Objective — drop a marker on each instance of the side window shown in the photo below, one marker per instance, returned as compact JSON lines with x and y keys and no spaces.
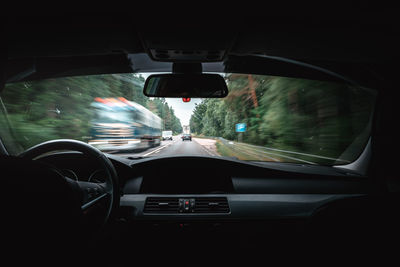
{"x":7,"y":137}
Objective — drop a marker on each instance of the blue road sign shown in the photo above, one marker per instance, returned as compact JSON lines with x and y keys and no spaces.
{"x":240,"y":127}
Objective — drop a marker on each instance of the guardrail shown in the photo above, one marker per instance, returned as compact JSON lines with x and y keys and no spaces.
{"x":273,"y":153}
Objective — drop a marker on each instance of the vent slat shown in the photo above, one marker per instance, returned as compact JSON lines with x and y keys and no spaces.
{"x":171,"y":205}
{"x":161,"y":205}
{"x":211,"y":205}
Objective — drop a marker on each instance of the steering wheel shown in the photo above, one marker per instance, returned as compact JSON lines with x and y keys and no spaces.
{"x":94,"y":198}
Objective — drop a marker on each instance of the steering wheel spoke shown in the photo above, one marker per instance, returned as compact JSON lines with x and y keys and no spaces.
{"x":93,"y":194}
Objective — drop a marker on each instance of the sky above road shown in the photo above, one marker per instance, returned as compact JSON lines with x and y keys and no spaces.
{"x":183,"y":110}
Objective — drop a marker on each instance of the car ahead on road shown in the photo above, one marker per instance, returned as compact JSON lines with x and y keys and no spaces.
{"x":313,"y":175}
{"x":166,"y":135}
{"x":186,"y":137}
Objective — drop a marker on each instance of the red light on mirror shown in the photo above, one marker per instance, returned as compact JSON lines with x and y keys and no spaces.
{"x":186,"y":99}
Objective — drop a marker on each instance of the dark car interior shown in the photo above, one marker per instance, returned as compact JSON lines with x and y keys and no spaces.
{"x":203,"y":210}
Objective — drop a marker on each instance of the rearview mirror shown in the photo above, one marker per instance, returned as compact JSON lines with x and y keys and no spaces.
{"x":186,"y":85}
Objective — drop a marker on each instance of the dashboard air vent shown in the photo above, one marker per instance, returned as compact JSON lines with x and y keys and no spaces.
{"x":161,"y":205}
{"x":211,"y":205}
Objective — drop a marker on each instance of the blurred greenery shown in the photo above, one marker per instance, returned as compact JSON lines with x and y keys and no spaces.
{"x":315,"y":117}
{"x":38,"y":111}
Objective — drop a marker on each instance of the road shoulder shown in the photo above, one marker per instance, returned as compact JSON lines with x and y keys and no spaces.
{"x":209,"y":145}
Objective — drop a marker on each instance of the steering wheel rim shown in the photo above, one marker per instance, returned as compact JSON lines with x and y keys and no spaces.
{"x":109,"y":188}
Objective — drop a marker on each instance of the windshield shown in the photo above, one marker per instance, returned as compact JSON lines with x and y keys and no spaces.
{"x":263,"y":118}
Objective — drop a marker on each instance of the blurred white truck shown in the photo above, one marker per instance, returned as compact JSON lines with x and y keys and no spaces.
{"x":166,"y":135}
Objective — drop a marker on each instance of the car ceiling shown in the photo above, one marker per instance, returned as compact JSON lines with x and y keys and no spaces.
{"x":90,"y":43}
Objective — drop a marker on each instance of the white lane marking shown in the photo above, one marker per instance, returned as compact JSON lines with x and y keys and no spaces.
{"x":204,"y":148}
{"x":290,"y":152}
{"x":154,"y":151}
{"x":158,"y":149}
{"x":208,"y":152}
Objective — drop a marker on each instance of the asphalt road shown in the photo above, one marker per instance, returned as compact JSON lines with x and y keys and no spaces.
{"x":176,"y":147}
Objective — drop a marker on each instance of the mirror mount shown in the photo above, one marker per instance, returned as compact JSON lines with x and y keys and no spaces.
{"x":187,"y":68}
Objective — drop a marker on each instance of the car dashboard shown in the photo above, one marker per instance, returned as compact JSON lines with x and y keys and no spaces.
{"x":206,"y":188}
{"x":222,"y":205}
{"x":198,"y":188}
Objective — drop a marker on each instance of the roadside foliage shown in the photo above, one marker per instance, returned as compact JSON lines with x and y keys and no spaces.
{"x":326,"y":119}
{"x":287,"y":119}
{"x":60,"y":108}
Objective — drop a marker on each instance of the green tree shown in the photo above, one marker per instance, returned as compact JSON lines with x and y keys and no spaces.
{"x":170,"y":122}
{"x":314,"y":117}
{"x":61,"y":108}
